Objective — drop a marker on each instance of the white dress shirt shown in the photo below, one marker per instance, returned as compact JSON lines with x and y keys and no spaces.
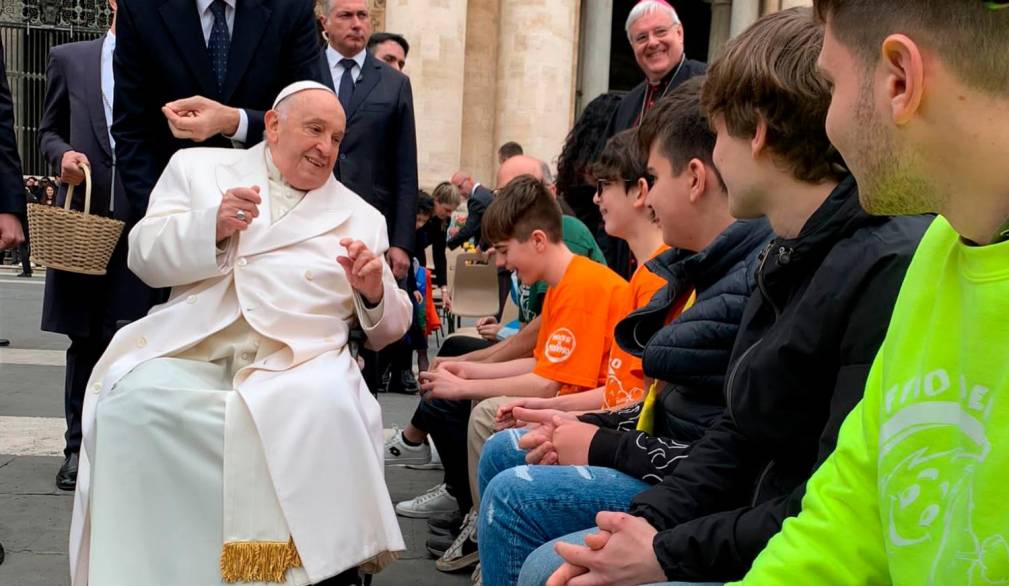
{"x":108,"y":83}
{"x":207,"y":20}
{"x":334,"y":59}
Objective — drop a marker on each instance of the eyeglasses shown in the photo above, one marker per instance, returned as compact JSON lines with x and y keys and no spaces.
{"x":660,"y":33}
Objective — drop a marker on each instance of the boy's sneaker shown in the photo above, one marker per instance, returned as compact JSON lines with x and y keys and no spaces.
{"x":435,"y":501}
{"x":399,"y":453}
{"x":447,"y":524}
{"x":462,"y":554}
{"x":476,"y":578}
{"x":434,"y":464}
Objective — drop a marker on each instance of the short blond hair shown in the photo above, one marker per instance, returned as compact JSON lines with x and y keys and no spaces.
{"x":446,"y":193}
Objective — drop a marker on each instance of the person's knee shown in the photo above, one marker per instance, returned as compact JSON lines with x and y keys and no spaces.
{"x":540,"y":565}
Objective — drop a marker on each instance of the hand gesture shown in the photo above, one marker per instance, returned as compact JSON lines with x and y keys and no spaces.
{"x":488,"y":328}
{"x":620,"y":554}
{"x":70,"y":167}
{"x":399,"y":261}
{"x":505,"y":417}
{"x":363,"y":268}
{"x":442,"y":384}
{"x":198,"y":118}
{"x":239,"y":206}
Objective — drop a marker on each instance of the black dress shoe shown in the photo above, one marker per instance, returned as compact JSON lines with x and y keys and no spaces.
{"x":24,"y":275}
{"x":1,"y":553}
{"x":66,"y":479}
{"x":445,"y":523}
{"x":405,"y":383}
{"x":4,"y":342}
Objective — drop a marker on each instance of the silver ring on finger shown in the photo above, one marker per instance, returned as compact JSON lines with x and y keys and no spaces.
{"x":241,"y":216}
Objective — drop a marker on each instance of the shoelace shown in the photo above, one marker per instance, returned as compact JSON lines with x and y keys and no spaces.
{"x":431,"y":494}
{"x":468,"y":532}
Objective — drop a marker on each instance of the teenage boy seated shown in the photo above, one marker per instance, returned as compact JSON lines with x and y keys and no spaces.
{"x":915,"y":492}
{"x":714,"y":259}
{"x":826,"y":286}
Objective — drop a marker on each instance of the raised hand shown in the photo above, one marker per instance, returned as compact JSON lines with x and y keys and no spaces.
{"x":239,"y":206}
{"x":363,"y":269}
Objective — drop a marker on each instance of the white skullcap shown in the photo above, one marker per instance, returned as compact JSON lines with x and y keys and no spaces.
{"x":300,"y":86}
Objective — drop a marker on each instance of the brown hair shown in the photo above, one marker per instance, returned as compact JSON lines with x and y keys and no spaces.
{"x":520,"y":208}
{"x":970,"y":35}
{"x":769,"y":73}
{"x":620,"y":160}
{"x":680,"y":127}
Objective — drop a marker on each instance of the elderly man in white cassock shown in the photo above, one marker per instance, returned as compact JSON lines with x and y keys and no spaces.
{"x":229,"y":436}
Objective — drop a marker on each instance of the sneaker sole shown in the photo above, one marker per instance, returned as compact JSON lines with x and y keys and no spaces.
{"x":458,"y":564}
{"x":434,"y":551}
{"x":427,"y":466}
{"x":441,"y":531}
{"x":408,"y":463}
{"x":419,"y":514}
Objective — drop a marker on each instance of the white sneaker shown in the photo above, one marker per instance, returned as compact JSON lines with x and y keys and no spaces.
{"x":433,"y":502}
{"x":476,"y":578}
{"x":434,"y":464}
{"x":398,"y":453}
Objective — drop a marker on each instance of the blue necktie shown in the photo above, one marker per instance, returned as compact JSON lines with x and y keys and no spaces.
{"x":219,"y":43}
{"x":347,"y":84}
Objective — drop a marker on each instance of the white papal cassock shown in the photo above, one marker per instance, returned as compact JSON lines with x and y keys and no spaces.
{"x":230,"y":431}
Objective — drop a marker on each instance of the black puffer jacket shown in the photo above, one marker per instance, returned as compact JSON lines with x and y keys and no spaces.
{"x":807,"y":340}
{"x":689,"y":356}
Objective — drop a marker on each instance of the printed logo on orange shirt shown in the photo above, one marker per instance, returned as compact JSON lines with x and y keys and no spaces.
{"x":560,"y":345}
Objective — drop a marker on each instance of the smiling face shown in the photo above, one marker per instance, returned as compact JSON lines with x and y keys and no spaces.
{"x":741,"y":174}
{"x":657,"y":42}
{"x":304,"y":135}
{"x":347,"y":26}
{"x":522,"y":257}
{"x":669,"y":199}
{"x":392,"y":54}
{"x":618,"y":205}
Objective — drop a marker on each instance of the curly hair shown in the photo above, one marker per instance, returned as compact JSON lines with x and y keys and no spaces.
{"x":584,"y":142}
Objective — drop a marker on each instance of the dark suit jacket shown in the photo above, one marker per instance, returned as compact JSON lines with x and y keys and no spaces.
{"x":378,"y":155}
{"x":618,"y":254}
{"x":12,"y":187}
{"x":475,"y":208}
{"x":73,"y":118}
{"x":161,"y":56}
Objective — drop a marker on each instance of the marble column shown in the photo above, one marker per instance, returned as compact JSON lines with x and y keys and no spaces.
{"x":537,"y":49}
{"x":721,"y":26}
{"x":744,"y":13}
{"x":436,"y":30}
{"x":479,"y":116}
{"x":594,"y":50}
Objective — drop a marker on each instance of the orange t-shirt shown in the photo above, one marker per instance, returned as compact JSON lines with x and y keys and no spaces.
{"x":625,"y":377}
{"x":576,"y":325}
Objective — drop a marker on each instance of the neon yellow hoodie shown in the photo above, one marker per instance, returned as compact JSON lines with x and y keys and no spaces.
{"x":917,"y":490}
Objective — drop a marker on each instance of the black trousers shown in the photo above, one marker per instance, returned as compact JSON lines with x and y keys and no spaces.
{"x":446,"y":422}
{"x":349,"y":578}
{"x":82,"y":355}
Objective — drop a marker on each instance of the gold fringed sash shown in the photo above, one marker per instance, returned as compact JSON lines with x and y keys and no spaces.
{"x":258,"y":561}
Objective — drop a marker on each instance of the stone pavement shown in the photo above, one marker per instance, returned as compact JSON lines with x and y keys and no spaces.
{"x":35,"y":516}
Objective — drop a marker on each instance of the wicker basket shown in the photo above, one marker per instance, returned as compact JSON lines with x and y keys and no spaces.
{"x":68,"y":240}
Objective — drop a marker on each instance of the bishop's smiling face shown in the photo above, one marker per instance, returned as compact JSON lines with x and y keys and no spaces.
{"x":304,"y":134}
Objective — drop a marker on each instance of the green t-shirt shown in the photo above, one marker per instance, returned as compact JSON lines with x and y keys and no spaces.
{"x":916,"y":491}
{"x":580,"y":241}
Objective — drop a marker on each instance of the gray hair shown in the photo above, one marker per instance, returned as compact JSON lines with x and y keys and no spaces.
{"x":644,"y":8}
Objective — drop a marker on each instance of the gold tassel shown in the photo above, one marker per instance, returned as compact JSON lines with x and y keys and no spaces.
{"x":258,"y":561}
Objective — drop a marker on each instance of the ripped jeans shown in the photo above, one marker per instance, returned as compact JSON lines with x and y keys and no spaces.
{"x":524,"y":507}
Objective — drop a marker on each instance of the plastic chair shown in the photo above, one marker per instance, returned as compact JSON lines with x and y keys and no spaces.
{"x":474,"y":287}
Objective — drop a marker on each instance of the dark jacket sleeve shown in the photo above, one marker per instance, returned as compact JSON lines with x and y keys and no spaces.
{"x":405,"y":209}
{"x":12,"y":187}
{"x":54,"y":128}
{"x":132,"y":125}
{"x":475,"y":209}
{"x":437,"y":235}
{"x":636,"y":453}
{"x":304,"y":62}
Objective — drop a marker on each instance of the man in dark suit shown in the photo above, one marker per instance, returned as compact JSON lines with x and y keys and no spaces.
{"x":378,"y":155}
{"x":12,"y":189}
{"x":74,"y":131}
{"x":210,"y":67}
{"x":478,"y":198}
{"x":656,"y":36}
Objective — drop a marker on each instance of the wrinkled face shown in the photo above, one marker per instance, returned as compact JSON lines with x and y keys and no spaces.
{"x":733,"y":156}
{"x":657,"y":43}
{"x":443,"y":211}
{"x":616,"y":204}
{"x":889,"y":174}
{"x":348,"y":26}
{"x":304,"y":137}
{"x":521,"y":257}
{"x":669,"y":199}
{"x":392,"y":54}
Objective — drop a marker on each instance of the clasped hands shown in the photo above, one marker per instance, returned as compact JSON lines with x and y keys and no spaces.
{"x":240,"y":206}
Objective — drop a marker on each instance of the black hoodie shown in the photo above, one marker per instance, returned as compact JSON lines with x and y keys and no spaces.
{"x":807,"y":339}
{"x":689,"y":356}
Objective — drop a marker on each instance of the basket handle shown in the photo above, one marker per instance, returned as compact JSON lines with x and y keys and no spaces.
{"x":87,"y":191}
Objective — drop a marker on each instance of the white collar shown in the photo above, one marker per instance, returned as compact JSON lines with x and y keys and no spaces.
{"x":109,"y":42}
{"x":204,"y":5}
{"x":335,"y":57}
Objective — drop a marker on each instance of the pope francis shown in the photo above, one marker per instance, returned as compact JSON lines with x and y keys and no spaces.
{"x":228,"y":435}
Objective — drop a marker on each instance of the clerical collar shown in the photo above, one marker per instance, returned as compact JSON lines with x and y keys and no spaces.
{"x":274,"y":174}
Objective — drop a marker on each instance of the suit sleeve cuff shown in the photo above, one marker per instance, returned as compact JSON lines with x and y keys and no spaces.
{"x":243,"y":128}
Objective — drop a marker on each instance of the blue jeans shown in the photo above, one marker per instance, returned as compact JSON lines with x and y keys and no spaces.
{"x":524,"y":507}
{"x":500,"y":452}
{"x":544,"y":561}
